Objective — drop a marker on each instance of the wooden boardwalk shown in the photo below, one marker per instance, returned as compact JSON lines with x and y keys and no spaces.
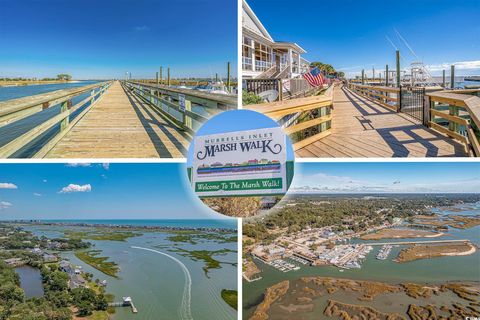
{"x":121,"y":125}
{"x":362,"y":128}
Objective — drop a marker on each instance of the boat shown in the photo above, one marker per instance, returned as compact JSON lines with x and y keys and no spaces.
{"x":214,"y":87}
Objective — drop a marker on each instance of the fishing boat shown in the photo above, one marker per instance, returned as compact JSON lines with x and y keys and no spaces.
{"x":214,"y":87}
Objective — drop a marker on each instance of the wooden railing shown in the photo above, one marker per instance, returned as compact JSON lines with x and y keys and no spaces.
{"x":15,"y":110}
{"x":305,"y":120}
{"x":388,"y":97}
{"x":205,"y":99}
{"x":258,"y":86}
{"x":176,"y":107}
{"x":456,"y":114}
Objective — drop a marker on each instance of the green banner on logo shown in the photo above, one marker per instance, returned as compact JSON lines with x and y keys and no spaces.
{"x":236,"y":185}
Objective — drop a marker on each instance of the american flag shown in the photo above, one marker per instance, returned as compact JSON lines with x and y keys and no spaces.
{"x":314,"y":77}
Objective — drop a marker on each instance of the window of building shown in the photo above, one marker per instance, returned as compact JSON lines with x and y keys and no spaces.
{"x":247,"y":50}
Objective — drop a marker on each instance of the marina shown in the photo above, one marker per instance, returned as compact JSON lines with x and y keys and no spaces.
{"x":384,"y":252}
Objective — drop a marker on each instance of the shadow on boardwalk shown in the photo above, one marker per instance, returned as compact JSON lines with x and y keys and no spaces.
{"x":362,"y":128}
{"x":121,"y":125}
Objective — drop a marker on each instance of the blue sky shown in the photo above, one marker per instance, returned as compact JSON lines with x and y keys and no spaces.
{"x":106,"y":38}
{"x":236,"y":120}
{"x":393,"y":177}
{"x":351,"y":34}
{"x":97,"y":191}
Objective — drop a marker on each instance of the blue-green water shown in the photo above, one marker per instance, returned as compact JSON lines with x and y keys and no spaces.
{"x":171,"y":223}
{"x":15,"y":129}
{"x":30,"y":281}
{"x":155,"y":282}
{"x":435,"y":270}
{"x":8,"y":93}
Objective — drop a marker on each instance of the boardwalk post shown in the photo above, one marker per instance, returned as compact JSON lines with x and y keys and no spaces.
{"x":92,"y":95}
{"x":187,"y":121}
{"x":426,"y":110}
{"x":157,"y":78}
{"x":386,"y":75}
{"x":64,"y":108}
{"x":280,"y":89}
{"x":443,"y":78}
{"x":452,"y":76}
{"x":397,"y":56}
{"x":216,"y":77}
{"x":373,"y":74}
{"x":168,"y":76}
{"x":161,"y":70}
{"x":363,"y":76}
{"x":452,"y":110}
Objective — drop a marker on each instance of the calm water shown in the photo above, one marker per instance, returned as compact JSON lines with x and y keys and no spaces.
{"x":190,"y":223}
{"x":7,"y":93}
{"x":156,"y":282}
{"x":436,"y":270}
{"x":30,"y":281}
{"x":15,"y":129}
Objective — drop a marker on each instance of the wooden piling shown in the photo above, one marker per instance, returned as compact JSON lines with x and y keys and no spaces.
{"x":161,"y":71}
{"x":386,"y":75}
{"x":452,"y":76}
{"x":168,"y":76}
{"x":443,"y":78}
{"x":397,"y":56}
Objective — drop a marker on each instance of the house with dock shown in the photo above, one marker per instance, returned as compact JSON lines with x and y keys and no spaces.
{"x":265,"y":58}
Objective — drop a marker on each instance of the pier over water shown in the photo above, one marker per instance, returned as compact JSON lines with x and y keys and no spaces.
{"x":111,"y":119}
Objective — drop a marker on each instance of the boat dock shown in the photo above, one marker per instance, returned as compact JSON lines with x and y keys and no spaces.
{"x":127,"y":302}
{"x":113,"y":119}
{"x":384,"y":252}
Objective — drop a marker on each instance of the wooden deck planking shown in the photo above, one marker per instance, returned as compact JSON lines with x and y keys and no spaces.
{"x":362,"y":128}
{"x":122,"y":126}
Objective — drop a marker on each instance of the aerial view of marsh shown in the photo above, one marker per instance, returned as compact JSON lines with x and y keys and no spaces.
{"x":392,"y":252}
{"x":179,"y":261}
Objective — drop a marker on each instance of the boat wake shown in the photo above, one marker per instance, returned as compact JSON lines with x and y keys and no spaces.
{"x":185,"y":310}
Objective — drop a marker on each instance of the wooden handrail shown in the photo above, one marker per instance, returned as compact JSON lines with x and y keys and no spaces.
{"x":156,"y":101}
{"x":206,"y":99}
{"x":457,"y":102}
{"x":16,"y":109}
{"x":379,"y":94}
{"x":301,"y":114}
{"x":63,"y":117}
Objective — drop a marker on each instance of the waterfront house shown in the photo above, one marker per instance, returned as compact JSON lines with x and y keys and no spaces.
{"x":47,"y":257}
{"x":77,"y":281}
{"x":264,"y":57}
{"x":66,"y":267}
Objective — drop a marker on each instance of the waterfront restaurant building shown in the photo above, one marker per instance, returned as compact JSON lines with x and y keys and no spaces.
{"x":263,"y":57}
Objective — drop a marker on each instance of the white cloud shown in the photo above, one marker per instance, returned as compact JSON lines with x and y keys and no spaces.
{"x":36,"y":194}
{"x":459,"y":65}
{"x":76,"y":188}
{"x":106,"y":166}
{"x":5,"y":205}
{"x":325,"y":183}
{"x":78,"y":164}
{"x":7,"y":185}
